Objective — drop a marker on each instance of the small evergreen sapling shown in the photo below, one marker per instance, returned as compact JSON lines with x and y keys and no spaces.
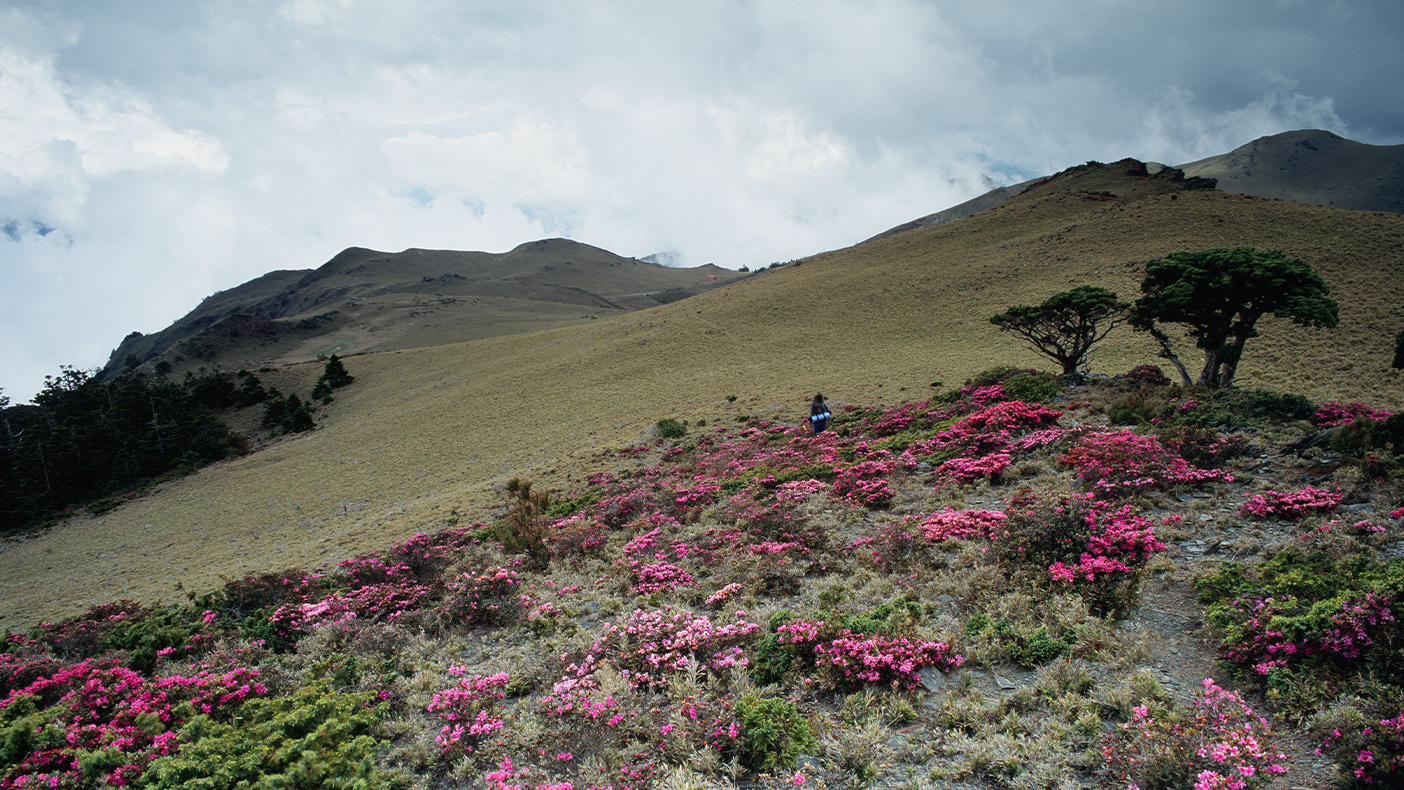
{"x":334,"y":376}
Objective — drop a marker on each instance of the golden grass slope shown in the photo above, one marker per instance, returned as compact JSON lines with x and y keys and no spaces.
{"x":425,"y":433}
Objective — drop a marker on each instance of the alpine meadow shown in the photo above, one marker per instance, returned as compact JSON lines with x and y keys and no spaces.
{"x":609,"y":551}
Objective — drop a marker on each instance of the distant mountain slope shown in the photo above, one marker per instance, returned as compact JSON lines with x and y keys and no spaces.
{"x":962,"y":210}
{"x":1311,"y":166}
{"x":367,"y":300}
{"x":1306,"y":166}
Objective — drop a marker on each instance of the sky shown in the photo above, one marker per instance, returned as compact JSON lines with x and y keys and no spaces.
{"x":154,"y":152}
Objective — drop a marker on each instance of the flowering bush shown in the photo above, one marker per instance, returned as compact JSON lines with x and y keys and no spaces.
{"x":660,"y":577}
{"x":865,"y":483}
{"x":894,"y":661}
{"x":1333,"y":414}
{"x":469,"y":709}
{"x":1147,"y":374}
{"x":1123,"y":462}
{"x":1368,"y":751}
{"x":1293,"y":504}
{"x":1264,"y":634}
{"x":850,"y":659}
{"x":646,"y":646}
{"x":966,"y":524}
{"x":1096,"y":547}
{"x":1220,"y":743}
{"x":488,"y":597}
{"x":93,"y":722}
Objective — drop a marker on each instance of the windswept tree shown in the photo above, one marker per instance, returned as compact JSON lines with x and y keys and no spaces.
{"x":1220,"y":294}
{"x":1066,"y":325}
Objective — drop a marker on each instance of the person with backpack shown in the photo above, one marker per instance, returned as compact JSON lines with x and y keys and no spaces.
{"x":819,"y":413}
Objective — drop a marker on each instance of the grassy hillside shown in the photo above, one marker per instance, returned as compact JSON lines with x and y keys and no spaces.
{"x":426,"y":433}
{"x":1311,"y":166}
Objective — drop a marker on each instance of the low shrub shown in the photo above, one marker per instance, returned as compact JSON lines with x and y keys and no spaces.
{"x":469,"y":710}
{"x":1218,"y":744}
{"x":670,"y":428}
{"x":992,"y":376}
{"x":311,"y":738}
{"x":1368,"y":750}
{"x":1031,"y":386}
{"x":773,"y":733}
{"x":1147,"y":374}
{"x":1096,"y":548}
{"x":1137,"y":408}
{"x":1292,"y":504}
{"x":1123,"y":462}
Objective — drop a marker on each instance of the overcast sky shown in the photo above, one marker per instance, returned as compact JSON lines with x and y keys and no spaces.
{"x":155,"y":151}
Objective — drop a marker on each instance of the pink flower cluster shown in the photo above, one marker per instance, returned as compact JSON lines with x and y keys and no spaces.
{"x":963,"y":470}
{"x":1123,"y":462}
{"x":470,"y":709}
{"x":964,"y":524}
{"x":1332,"y":414}
{"x":102,"y":707}
{"x":1293,"y":504}
{"x":1239,"y":753}
{"x":865,"y":483}
{"x":647,"y":645}
{"x":1373,"y":754}
{"x":1269,"y":633}
{"x":660,"y":577}
{"x":799,"y":490}
{"x":865,"y":658}
{"x":1230,"y":744}
{"x":895,"y":661}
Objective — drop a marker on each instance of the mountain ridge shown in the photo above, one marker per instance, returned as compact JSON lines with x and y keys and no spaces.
{"x":558,"y":277}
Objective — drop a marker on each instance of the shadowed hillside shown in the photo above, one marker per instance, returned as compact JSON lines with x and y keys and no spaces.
{"x":425,"y":433}
{"x":364,"y":300}
{"x":1311,"y":166}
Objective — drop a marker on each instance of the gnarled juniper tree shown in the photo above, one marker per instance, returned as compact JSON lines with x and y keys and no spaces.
{"x":1066,"y":325}
{"x":1220,"y":294}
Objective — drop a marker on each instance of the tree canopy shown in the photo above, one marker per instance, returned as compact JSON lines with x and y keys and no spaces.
{"x":1220,"y":294}
{"x":1066,"y":325}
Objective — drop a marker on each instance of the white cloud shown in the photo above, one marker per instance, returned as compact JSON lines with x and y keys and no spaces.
{"x":56,"y":138}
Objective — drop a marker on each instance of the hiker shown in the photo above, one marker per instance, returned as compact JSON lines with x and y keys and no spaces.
{"x":819,"y":413}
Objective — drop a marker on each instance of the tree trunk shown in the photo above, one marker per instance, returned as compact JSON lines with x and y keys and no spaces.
{"x":1232,"y":354}
{"x":1210,"y":374}
{"x":1168,"y":353}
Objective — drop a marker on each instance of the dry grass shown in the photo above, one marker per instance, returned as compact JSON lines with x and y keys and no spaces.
{"x":424,"y":434}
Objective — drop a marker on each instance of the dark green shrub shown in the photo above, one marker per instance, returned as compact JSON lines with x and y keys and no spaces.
{"x":992,"y":376}
{"x":1355,"y":438}
{"x":1135,"y":409}
{"x":1038,"y":648}
{"x":773,"y":733}
{"x":772,"y":661}
{"x":165,"y":627}
{"x":333,"y":376}
{"x":894,"y":617}
{"x":287,"y":415}
{"x":1031,"y":386}
{"x":670,"y":428}
{"x":1147,"y":374}
{"x":312,"y":738}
